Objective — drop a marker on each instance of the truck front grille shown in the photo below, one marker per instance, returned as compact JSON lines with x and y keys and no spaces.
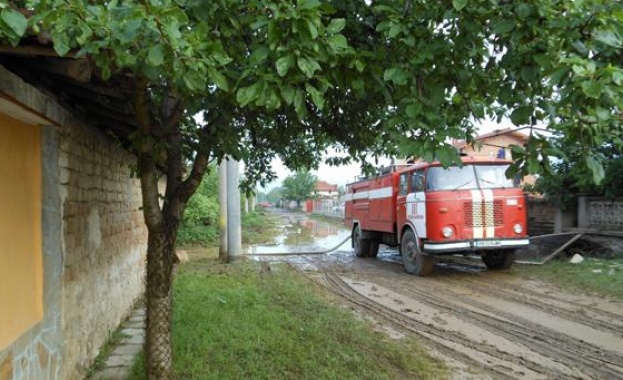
{"x":483,"y":214}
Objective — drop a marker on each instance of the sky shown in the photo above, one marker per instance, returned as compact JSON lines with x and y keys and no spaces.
{"x":341,"y":175}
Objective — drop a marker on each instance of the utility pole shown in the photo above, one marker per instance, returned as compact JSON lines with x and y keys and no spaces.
{"x":222,"y":218}
{"x":234,"y":231}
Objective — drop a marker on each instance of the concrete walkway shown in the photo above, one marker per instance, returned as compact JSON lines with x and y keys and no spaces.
{"x":118,"y":364}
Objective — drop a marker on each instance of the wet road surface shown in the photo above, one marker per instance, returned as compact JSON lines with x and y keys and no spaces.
{"x":486,"y":324}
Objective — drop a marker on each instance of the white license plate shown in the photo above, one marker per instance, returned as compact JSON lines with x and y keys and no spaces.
{"x":486,"y":243}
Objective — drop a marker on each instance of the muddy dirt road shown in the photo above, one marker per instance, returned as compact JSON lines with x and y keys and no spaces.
{"x":485,"y":324}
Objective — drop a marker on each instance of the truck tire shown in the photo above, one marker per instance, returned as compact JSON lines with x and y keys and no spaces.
{"x":414,"y":260}
{"x":361,"y":245}
{"x":374,"y":248}
{"x":499,"y":259}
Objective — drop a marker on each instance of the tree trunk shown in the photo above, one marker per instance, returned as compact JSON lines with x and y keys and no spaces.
{"x":160,"y":250}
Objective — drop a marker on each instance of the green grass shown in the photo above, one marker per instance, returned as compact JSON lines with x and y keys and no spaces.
{"x":600,"y":276}
{"x":257,"y":228}
{"x":114,"y":338}
{"x":238,"y":321}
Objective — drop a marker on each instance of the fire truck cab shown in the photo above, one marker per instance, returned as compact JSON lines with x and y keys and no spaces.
{"x":427,"y":211}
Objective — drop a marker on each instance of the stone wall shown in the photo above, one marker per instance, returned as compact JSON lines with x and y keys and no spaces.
{"x":104,"y":239}
{"x":601,"y":213}
{"x":94,"y":242}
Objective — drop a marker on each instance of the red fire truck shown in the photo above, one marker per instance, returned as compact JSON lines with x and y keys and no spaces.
{"x":427,"y":210}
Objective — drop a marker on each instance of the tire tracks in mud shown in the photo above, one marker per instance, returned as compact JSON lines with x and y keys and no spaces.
{"x":574,"y":353}
{"x":427,"y":333}
{"x":589,"y":315}
{"x":538,"y":351}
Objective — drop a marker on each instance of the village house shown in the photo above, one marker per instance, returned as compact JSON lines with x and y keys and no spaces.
{"x":496,"y":144}
{"x":72,"y":235}
{"x":324,"y":198}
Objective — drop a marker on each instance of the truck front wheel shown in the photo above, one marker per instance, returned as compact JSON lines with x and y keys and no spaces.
{"x":361,"y":245}
{"x":414,"y":260}
{"x":499,"y":259}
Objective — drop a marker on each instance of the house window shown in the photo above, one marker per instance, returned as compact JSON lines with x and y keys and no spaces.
{"x":21,"y":273}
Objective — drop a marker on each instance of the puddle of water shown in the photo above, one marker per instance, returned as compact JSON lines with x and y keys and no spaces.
{"x":301,"y":235}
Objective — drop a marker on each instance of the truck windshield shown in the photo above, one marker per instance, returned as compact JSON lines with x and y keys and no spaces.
{"x":468,"y":177}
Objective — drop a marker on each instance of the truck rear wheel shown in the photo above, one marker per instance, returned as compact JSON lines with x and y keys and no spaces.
{"x":361,"y":245}
{"x":414,"y":260}
{"x":374,"y":248}
{"x":499,"y":259}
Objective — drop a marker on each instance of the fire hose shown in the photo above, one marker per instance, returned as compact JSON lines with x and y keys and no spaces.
{"x":299,"y":253}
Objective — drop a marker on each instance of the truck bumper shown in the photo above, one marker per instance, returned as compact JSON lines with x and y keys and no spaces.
{"x":474,"y":245}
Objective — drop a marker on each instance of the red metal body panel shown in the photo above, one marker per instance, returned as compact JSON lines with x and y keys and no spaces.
{"x":373,"y":203}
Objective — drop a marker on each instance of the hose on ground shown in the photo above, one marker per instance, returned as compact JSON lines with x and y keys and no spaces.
{"x":299,"y":253}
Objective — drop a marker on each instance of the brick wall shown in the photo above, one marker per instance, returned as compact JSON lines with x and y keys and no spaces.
{"x":104,"y":240}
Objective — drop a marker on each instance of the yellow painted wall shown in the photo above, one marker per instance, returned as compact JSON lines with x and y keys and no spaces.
{"x":21,"y":272}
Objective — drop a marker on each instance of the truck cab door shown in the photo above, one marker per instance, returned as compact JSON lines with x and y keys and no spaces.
{"x":401,"y":201}
{"x":416,"y":204}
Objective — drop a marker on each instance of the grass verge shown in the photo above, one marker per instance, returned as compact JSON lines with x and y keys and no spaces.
{"x":242,"y":321}
{"x":593,"y":275}
{"x":259,"y":227}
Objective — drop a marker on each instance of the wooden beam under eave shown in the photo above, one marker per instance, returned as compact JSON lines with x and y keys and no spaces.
{"x":98,"y":112}
{"x":31,"y":51}
{"x":80,"y":70}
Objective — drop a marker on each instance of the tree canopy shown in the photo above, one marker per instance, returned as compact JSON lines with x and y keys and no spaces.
{"x":380,"y":77}
{"x":299,"y":187}
{"x":291,"y":78}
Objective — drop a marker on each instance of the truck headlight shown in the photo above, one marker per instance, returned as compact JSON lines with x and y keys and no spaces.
{"x":518,"y":228}
{"x":447,"y":232}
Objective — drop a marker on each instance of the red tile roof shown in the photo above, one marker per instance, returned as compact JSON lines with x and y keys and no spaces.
{"x":324,"y":186}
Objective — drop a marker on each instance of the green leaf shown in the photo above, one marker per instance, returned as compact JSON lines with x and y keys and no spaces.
{"x":543,"y":60}
{"x":413,"y":110}
{"x":504,"y":27}
{"x":259,"y":55}
{"x":272,"y":99}
{"x":529,"y":73}
{"x":155,"y":56}
{"x":459,"y":4}
{"x":283,"y":64}
{"x":299,"y":103}
{"x":608,"y":37}
{"x":596,"y":168}
{"x":338,"y":42}
{"x":61,"y":48}
{"x":592,"y":89}
{"x":307,"y":4}
{"x":313,"y":30}
{"x":395,"y":30}
{"x":559,"y":74}
{"x":580,"y":47}
{"x":308,"y":66}
{"x":523,"y":10}
{"x":516,"y":149}
{"x":248,"y":94}
{"x":396,"y":75}
{"x":359,"y":65}
{"x":447,"y":155}
{"x":316,"y":95}
{"x":336,"y":25}
{"x":521,"y":115}
{"x":288,"y":93}
{"x":219,"y":79}
{"x":15,"y":20}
